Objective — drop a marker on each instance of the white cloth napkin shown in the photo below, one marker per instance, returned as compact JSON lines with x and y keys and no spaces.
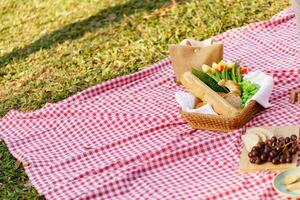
{"x":265,"y":83}
{"x":187,"y":101}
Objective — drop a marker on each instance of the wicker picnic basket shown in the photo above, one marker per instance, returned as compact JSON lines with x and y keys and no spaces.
{"x":222,"y":123}
{"x":186,"y":56}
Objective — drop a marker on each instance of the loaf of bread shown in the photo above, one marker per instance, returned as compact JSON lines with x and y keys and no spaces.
{"x":206,"y":94}
{"x":250,"y":140}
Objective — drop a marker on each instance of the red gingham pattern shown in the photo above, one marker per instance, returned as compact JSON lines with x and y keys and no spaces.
{"x":124,"y":139}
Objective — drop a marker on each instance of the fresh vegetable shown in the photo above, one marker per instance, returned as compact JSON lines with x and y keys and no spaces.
{"x":239,"y":77}
{"x":209,"y":81}
{"x":223,"y":74}
{"x":236,"y":75}
{"x":248,"y":90}
{"x":206,"y":68}
{"x":233,"y":69}
{"x":226,"y":71}
{"x":221,"y":66}
{"x":227,"y":77}
{"x":244,"y":70}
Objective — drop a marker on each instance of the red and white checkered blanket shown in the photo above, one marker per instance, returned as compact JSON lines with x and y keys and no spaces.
{"x":125,"y":139}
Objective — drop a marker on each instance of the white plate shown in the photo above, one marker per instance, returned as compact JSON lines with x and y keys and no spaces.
{"x":280,"y":188}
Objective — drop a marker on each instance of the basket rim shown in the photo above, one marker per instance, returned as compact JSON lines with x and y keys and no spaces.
{"x":250,"y":106}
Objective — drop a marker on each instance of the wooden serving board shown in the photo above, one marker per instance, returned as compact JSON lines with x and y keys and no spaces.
{"x":285,"y":131}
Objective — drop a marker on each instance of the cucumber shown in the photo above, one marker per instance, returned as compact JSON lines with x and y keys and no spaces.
{"x":214,"y":77}
{"x":209,"y":81}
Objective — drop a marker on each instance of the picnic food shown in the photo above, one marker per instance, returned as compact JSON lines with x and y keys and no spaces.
{"x":227,"y":77}
{"x":233,"y":87}
{"x":248,"y":90}
{"x":276,"y":149}
{"x":234,"y":100}
{"x":206,"y":94}
{"x":279,"y":131}
{"x":250,"y":140}
{"x":200,"y":104}
{"x":289,"y":180}
{"x":293,"y":187}
{"x":220,"y":85}
{"x":262,"y":133}
{"x":208,"y":81}
{"x":262,"y":136}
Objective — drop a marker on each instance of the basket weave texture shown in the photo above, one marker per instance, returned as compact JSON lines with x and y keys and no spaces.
{"x":221,"y":122}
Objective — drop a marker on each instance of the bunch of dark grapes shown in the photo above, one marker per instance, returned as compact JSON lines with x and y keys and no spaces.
{"x":275,"y":150}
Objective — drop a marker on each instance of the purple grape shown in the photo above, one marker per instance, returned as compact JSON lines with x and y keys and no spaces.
{"x":255,"y":148}
{"x":273,"y":154}
{"x":250,"y":155}
{"x":261,"y":145}
{"x":258,"y":161}
{"x":289,"y":160}
{"x":293,"y":150}
{"x":269,"y":143}
{"x":275,"y":161}
{"x":269,"y":159}
{"x":281,"y":143}
{"x":287,"y":140}
{"x":289,"y":156}
{"x":264,"y":157}
{"x":252,"y":160}
{"x":278,"y":148}
{"x":282,"y":158}
{"x":274,"y":139}
{"x":295,"y":143}
{"x":293,"y":137}
{"x":267,"y":149}
{"x":254,"y":153}
{"x":281,"y":139}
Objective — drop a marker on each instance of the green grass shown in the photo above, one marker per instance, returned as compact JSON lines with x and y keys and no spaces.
{"x":49,"y":49}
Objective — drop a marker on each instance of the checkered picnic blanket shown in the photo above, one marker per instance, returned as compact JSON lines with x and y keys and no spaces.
{"x":125,"y":139}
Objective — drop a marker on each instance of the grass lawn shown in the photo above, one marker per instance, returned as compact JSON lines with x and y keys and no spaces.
{"x":50,"y":49}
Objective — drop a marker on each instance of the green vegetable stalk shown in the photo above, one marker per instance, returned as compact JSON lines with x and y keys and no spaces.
{"x":211,"y":75}
{"x":238,"y":75}
{"x":233,"y":75}
{"x":248,"y":90}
